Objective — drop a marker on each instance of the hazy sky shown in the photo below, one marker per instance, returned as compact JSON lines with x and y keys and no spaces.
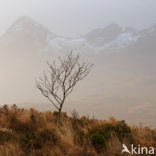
{"x":76,"y":17}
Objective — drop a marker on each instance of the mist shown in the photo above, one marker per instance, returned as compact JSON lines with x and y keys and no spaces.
{"x":76,"y":17}
{"x":122,"y":82}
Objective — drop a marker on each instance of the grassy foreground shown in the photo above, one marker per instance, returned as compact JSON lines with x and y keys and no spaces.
{"x":31,"y":133}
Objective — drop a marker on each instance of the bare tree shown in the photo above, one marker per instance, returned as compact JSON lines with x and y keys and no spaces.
{"x":59,"y":81}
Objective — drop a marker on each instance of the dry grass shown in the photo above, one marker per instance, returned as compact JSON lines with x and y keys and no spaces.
{"x":31,"y":133}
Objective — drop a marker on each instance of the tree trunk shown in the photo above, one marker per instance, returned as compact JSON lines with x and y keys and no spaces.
{"x":59,"y":115}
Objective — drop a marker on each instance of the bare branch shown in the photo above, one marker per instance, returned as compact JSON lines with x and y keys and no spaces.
{"x":59,"y":81}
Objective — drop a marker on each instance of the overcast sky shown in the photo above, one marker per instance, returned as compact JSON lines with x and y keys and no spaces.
{"x":76,"y":17}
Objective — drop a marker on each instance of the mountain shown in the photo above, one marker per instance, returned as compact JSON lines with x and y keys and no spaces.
{"x":27,"y":31}
{"x":98,"y":40}
{"x":122,"y":83}
{"x":111,"y":37}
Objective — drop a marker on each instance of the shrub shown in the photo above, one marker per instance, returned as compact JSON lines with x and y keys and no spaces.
{"x":28,"y":141}
{"x":6,"y":137}
{"x":78,"y":123}
{"x":48,"y":136}
{"x":103,"y":133}
{"x":38,"y":140}
{"x":122,"y":130}
{"x":80,"y":137}
{"x":26,"y":127}
{"x":98,"y":141}
{"x":105,"y":130}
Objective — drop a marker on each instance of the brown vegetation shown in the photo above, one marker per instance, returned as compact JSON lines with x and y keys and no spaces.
{"x":32,"y":133}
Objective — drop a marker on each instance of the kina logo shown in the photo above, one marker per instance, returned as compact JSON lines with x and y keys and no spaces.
{"x":138,"y":150}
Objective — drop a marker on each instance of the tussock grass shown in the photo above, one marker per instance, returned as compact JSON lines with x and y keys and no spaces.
{"x":27,"y":132}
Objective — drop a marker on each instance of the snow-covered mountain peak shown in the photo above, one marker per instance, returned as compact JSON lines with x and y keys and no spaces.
{"x":24,"y":23}
{"x":112,"y":36}
{"x":27,"y":26}
{"x":103,"y":35}
{"x":26,"y":29}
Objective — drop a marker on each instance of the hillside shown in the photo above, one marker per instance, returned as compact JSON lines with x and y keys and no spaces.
{"x":27,"y":132}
